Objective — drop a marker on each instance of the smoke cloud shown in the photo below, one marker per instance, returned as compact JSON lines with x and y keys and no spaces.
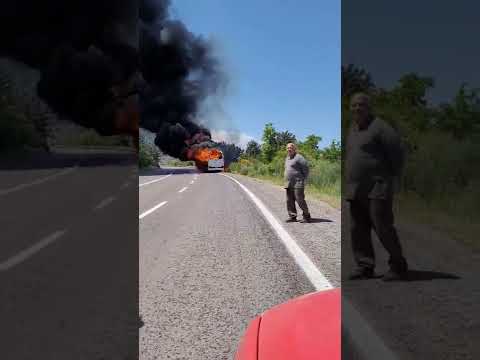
{"x":181,"y":72}
{"x":84,"y":50}
{"x":93,"y":54}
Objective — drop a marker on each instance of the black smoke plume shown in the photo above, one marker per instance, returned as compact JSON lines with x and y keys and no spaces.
{"x":82,"y":50}
{"x":180,"y":72}
{"x":89,"y":59}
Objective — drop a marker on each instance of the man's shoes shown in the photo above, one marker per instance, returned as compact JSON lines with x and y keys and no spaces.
{"x":362,"y":274}
{"x":392,"y":275}
{"x":292,"y":219}
{"x":306,"y":219}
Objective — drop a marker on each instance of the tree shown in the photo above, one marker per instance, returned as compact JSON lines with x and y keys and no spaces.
{"x":283,"y":138}
{"x":461,"y":117}
{"x":269,"y":146}
{"x":309,"y":147}
{"x":406,"y":105}
{"x":333,"y":152}
{"x":412,"y":89}
{"x":231,"y":152}
{"x":253,"y":149}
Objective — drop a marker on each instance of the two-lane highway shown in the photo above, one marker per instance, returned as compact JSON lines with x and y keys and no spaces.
{"x":68,"y":250}
{"x":209,"y":263}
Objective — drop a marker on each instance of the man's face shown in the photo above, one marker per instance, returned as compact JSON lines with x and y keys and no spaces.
{"x":360,"y":108}
{"x":291,"y":149}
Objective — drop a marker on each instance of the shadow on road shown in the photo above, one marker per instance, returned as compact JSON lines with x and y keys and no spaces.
{"x":319,"y":220}
{"x":421,"y":275}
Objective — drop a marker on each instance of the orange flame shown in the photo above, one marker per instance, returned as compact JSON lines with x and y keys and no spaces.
{"x":205,"y":154}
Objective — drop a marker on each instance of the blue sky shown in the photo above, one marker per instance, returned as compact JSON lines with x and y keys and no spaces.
{"x":282,"y":60}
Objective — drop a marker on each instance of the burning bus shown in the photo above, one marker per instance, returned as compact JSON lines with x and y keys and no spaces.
{"x":216,"y":164}
{"x":209,"y":159}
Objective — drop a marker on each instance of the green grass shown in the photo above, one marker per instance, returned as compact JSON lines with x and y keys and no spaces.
{"x":179,"y":163}
{"x":454,"y":215}
{"x":16,"y":131}
{"x":442,"y":186}
{"x":90,"y":138}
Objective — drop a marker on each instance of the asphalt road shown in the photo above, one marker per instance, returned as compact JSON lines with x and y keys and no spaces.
{"x":434,"y":315}
{"x":71,"y":273}
{"x":210,"y":262}
{"x":68,"y":268}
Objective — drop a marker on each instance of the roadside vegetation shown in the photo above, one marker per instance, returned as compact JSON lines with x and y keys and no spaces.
{"x":149,"y":155}
{"x":17,"y":128}
{"x":178,"y":163}
{"x":267,"y":162}
{"x":440,"y":184}
{"x":24,"y":125}
{"x":90,"y":138}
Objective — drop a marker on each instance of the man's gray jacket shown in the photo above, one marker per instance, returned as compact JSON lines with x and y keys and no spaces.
{"x":374,"y":158}
{"x":296,"y":171}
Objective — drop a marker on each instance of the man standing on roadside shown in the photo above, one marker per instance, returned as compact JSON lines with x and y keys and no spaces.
{"x":374,"y":161}
{"x":296,"y":173}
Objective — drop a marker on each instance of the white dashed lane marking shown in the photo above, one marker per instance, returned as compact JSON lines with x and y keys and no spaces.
{"x":148,"y":212}
{"x":105,"y":202}
{"x":154,"y":181}
{"x":36,"y":182}
{"x":29,"y":252}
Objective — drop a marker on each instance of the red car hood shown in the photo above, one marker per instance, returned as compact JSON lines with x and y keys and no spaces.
{"x":304,"y":328}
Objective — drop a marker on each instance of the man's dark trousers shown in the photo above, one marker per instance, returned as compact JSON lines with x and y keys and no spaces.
{"x":298,"y":195}
{"x":377,"y":214}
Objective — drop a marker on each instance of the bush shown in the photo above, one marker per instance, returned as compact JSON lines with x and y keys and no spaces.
{"x":16,"y":131}
{"x":325,"y":176}
{"x":445,"y":179}
{"x":179,"y":163}
{"x":148,"y":155}
{"x":89,"y":137}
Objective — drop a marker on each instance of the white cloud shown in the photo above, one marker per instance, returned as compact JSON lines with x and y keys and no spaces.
{"x":239,"y":139}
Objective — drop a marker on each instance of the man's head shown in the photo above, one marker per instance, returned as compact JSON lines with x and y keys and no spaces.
{"x":291,"y":149}
{"x":360,"y":107}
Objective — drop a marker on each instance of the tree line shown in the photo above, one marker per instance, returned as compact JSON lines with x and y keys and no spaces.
{"x":407,"y":108}
{"x":274,"y":143}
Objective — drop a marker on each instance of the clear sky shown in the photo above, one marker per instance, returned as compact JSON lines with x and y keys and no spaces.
{"x":282,"y":59}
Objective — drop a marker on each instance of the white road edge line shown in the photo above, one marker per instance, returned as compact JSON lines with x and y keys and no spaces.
{"x":148,"y":212}
{"x":105,"y":202}
{"x":183,"y":189}
{"x":29,"y":252}
{"x":366,"y":341}
{"x":361,"y":333}
{"x":154,"y":181}
{"x":37,"y":182}
{"x":318,"y":280}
